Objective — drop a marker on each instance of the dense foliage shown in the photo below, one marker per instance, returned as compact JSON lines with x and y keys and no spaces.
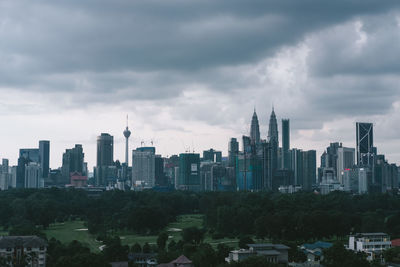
{"x":290,"y":219}
{"x":337,"y":255}
{"x":302,"y":216}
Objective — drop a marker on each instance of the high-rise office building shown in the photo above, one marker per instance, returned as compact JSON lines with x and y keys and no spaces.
{"x":30,"y":154}
{"x":365,"y":143}
{"x":73,"y":161}
{"x":345,"y":160}
{"x":44,"y":157}
{"x":255,"y":129}
{"x":309,"y":169}
{"x":33,"y":176}
{"x":105,"y":157}
{"x":5,"y":176}
{"x":143,"y":167}
{"x":247,"y":148}
{"x":189,"y":172}
{"x":297,"y":165}
{"x":212,"y":155}
{"x":285,"y":144}
{"x":233,"y":151}
{"x":26,"y":155}
{"x":160,"y":178}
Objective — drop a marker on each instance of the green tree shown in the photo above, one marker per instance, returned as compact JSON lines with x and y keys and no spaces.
{"x":162,"y":240}
{"x":146,"y":248}
{"x":244,"y":240}
{"x":392,"y":255}
{"x":136,"y":248}
{"x":337,"y":255}
{"x":192,"y":235}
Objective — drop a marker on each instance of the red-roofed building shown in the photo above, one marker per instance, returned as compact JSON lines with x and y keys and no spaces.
{"x":396,"y":242}
{"x":78,"y":180}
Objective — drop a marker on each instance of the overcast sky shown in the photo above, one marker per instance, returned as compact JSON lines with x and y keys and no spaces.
{"x":189,"y":73}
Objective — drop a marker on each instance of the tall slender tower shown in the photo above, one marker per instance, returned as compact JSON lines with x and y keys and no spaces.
{"x":255,"y":129}
{"x":273,"y":140}
{"x":273,"y":128}
{"x":127,"y":134}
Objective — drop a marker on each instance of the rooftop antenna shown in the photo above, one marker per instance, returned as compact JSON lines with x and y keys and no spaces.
{"x":142,"y":143}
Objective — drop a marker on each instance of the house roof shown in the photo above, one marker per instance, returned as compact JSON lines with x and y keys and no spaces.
{"x":181,"y":260}
{"x":25,"y":241}
{"x":318,"y":244}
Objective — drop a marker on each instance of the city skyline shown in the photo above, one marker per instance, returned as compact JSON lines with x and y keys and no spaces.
{"x":190,"y":75}
{"x":120,"y":144}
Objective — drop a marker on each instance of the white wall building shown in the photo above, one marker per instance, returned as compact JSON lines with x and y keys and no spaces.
{"x":14,"y":248}
{"x":33,"y":176}
{"x":371,"y":243}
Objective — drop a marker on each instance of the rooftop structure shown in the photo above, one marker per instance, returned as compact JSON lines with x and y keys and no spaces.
{"x":274,"y":253}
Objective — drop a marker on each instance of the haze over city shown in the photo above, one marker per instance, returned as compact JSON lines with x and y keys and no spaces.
{"x":189,"y":75}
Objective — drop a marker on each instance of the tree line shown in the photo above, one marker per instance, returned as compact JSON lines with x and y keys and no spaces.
{"x":300,"y":216}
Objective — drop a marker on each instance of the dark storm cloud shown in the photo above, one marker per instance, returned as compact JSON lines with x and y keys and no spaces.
{"x":117,"y":51}
{"x":71,"y":36}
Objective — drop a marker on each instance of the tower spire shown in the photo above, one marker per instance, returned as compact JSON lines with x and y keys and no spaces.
{"x":127,"y":134}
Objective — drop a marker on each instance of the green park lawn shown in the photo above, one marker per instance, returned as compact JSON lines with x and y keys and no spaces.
{"x":73,"y":230}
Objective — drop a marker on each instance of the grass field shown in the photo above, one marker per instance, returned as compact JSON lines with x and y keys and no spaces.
{"x":73,"y":230}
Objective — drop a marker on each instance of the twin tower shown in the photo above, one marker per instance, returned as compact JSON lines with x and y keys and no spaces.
{"x":273,"y":137}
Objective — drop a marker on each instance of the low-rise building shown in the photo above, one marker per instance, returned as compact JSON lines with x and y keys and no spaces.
{"x":143,"y":259}
{"x":274,"y":253}
{"x":371,"y":243}
{"x":28,"y":250}
{"x":314,"y":251}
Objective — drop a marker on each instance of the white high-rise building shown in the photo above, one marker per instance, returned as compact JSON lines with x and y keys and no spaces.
{"x":345,"y":160}
{"x":33,"y":176}
{"x":143,"y":167}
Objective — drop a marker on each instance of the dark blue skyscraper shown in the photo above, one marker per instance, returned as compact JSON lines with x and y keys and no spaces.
{"x":285,"y":144}
{"x":365,"y":143}
{"x":44,"y":157}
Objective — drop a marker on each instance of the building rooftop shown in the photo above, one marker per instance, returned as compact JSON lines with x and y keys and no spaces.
{"x":370,"y":234}
{"x":268,"y":245}
{"x":181,"y":260}
{"x":318,"y":244}
{"x":25,"y":241}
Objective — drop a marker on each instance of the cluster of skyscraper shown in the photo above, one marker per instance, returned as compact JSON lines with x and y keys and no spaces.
{"x":358,"y":170}
{"x":261,"y":165}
